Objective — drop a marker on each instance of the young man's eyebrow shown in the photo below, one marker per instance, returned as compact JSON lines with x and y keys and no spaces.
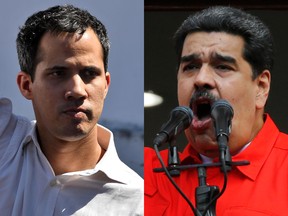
{"x":91,"y":68}
{"x":56,"y":67}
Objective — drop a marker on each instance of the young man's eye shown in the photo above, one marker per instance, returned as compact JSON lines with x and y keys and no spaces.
{"x":89,"y":73}
{"x":56,"y":74}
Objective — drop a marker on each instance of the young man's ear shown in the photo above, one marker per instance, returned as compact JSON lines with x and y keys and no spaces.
{"x":108,"y":81}
{"x":24,"y":82}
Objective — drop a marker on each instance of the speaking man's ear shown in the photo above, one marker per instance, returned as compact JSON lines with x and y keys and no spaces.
{"x":263,"y":81}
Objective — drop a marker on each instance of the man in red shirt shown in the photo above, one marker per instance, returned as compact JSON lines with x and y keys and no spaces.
{"x":224,"y":53}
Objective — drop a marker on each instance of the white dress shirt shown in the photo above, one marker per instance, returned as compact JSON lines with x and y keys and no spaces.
{"x":29,"y":187}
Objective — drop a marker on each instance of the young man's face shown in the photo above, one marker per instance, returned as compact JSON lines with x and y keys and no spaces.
{"x":70,"y":85}
{"x":212,"y":66}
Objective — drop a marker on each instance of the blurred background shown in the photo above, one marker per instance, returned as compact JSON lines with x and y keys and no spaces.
{"x":123,"y":109}
{"x":162,"y":18}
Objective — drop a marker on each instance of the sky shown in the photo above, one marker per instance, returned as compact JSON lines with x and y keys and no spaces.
{"x":125,"y":25}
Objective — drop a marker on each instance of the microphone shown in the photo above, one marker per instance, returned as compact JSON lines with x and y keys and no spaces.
{"x":180,"y":119}
{"x":222,"y":114}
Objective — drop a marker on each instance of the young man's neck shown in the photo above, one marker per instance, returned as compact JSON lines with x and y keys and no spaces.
{"x":65,"y":156}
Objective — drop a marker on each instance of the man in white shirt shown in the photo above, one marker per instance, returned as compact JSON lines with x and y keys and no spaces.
{"x":65,"y":164}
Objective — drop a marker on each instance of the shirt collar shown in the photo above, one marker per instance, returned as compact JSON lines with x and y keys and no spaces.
{"x":110,"y":164}
{"x":31,"y":136}
{"x":259,"y":149}
{"x":190,"y":156}
{"x":256,"y":152}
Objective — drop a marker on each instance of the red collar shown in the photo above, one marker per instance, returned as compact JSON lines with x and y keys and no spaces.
{"x":257,"y":152}
{"x":259,"y":149}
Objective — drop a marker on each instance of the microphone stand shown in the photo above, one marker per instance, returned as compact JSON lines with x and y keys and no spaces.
{"x":224,"y":153}
{"x":173,"y":158}
{"x":204,"y":193}
{"x":206,"y":196}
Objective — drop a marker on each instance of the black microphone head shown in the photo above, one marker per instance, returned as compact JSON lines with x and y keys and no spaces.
{"x":222,"y":104}
{"x":180,"y":119}
{"x":184,"y":114}
{"x":222,"y":114}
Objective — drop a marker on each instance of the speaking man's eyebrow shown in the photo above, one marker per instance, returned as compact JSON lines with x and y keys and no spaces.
{"x":215,"y":57}
{"x":223,"y":58}
{"x":189,"y":58}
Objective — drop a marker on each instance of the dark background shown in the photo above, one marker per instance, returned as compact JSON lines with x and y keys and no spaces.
{"x":162,"y":20}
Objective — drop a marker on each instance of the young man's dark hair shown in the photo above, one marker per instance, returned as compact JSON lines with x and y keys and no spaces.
{"x":57,"y":19}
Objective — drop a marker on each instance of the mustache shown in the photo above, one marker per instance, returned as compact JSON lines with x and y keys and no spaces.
{"x":203,"y":94}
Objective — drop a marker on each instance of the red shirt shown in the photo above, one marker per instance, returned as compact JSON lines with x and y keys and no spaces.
{"x":260,"y":188}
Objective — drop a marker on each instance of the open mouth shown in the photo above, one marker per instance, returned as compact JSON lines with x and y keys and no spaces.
{"x":202,"y":108}
{"x":201,"y":103}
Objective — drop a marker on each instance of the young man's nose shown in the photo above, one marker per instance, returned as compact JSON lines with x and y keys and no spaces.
{"x":76,"y":88}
